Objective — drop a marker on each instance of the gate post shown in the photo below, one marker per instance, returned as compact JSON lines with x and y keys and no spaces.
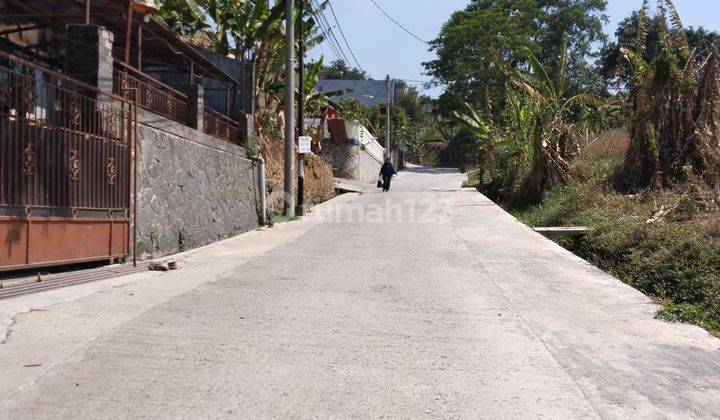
{"x":89,"y":59}
{"x":88,"y":56}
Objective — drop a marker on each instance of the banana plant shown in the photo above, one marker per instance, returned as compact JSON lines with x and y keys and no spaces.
{"x":520,"y":116}
{"x":549,"y":94}
{"x":238,"y":26}
{"x":249,"y":29}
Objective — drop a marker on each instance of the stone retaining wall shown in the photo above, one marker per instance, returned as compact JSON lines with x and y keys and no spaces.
{"x":352,"y":161}
{"x":319,"y":182}
{"x":193,"y":189}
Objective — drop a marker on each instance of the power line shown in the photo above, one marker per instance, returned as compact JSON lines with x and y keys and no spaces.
{"x":324,"y":29}
{"x":387,"y":15}
{"x":342,"y":33}
{"x":331,"y":38}
{"x":335,"y":45}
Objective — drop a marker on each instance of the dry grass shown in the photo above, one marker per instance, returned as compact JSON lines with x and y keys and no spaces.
{"x":612,"y":144}
{"x":319,"y":181}
{"x":674,"y":259}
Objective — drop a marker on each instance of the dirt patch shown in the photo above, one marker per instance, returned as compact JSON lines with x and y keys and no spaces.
{"x":319,"y":181}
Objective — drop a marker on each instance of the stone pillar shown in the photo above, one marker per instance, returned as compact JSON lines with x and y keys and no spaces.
{"x":247,"y":88}
{"x":195,"y":105}
{"x":247,"y":127}
{"x":88,"y":55}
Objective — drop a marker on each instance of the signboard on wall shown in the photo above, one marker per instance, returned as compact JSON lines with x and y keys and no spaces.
{"x":304,"y":145}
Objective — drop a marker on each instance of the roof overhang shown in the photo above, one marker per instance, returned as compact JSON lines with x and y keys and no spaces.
{"x":37,"y":27}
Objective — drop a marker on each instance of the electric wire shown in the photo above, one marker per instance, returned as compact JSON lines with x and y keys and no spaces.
{"x":342,"y":33}
{"x":325,"y":31}
{"x":330,"y":37}
{"x":335,"y":45}
{"x":399,"y":25}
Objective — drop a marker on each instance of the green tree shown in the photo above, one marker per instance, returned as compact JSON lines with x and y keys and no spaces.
{"x":339,"y":70}
{"x":418,"y":107}
{"x":466,"y":64}
{"x":248,"y":29}
{"x":377,"y":118}
{"x":352,"y":109}
{"x":536,"y":129}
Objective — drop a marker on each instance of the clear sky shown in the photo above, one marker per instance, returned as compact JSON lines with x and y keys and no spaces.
{"x":382,"y":48}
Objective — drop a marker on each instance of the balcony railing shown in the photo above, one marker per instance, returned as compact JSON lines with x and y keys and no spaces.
{"x":152,"y":94}
{"x":221,"y":126}
{"x":62,"y":147}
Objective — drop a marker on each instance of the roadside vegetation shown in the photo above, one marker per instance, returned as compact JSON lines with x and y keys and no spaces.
{"x":253,"y":30}
{"x":623,"y":140}
{"x":662,"y":242}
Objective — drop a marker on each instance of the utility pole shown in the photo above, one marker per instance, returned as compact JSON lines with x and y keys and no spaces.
{"x":388,"y":152}
{"x":289,"y":197}
{"x":300,"y":209}
{"x":87,"y":12}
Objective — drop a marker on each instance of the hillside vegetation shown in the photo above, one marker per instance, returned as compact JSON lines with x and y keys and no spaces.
{"x":665,"y":243}
{"x":631,"y":150}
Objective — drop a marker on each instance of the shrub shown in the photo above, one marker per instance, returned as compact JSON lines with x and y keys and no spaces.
{"x":673,"y":261}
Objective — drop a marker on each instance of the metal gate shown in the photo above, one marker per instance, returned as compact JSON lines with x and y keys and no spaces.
{"x":65,"y":165}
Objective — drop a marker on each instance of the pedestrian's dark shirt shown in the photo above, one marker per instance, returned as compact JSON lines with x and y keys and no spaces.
{"x":387,"y":170}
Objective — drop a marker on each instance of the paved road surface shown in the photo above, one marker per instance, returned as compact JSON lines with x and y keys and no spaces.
{"x":427,"y":302}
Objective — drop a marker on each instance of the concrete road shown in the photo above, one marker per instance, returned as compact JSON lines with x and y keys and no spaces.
{"x":426,"y":302}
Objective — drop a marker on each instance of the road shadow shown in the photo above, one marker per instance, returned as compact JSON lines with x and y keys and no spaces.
{"x":423,"y":170}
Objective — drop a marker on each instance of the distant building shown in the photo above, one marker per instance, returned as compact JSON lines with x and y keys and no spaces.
{"x":369,"y":92}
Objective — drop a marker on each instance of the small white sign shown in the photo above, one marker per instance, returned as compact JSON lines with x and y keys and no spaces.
{"x":304,"y":145}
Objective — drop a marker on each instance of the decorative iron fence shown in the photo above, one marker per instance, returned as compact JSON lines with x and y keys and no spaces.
{"x":65,"y":165}
{"x":152,"y":94}
{"x":61,"y":145}
{"x":220,"y":126}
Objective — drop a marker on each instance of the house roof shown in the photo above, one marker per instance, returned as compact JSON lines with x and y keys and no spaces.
{"x":369,"y":92}
{"x":37,"y":27}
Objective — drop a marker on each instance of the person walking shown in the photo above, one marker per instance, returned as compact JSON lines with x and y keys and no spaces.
{"x":387,"y":172}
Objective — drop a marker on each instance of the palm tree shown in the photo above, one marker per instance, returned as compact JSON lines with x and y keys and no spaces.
{"x":248,"y":29}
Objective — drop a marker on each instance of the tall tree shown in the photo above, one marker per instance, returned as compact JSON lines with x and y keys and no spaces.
{"x":467,"y":45}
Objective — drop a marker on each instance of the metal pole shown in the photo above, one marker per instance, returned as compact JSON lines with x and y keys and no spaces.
{"x":139,"y":46}
{"x":387,"y":127}
{"x":227,"y":101}
{"x":263,"y":193}
{"x":300,"y":209}
{"x":289,"y":108}
{"x":87,"y":12}
{"x":128,"y":31}
{"x":135,"y":179}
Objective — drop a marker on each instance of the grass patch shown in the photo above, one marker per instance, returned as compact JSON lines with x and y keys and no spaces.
{"x":689,"y":314}
{"x":675,"y":260}
{"x":282,"y":218}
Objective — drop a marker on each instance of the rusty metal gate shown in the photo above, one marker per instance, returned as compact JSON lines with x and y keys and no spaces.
{"x":65,"y":165}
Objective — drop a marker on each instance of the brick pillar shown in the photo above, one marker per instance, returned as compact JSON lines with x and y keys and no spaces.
{"x":88,"y":55}
{"x":195,"y":105}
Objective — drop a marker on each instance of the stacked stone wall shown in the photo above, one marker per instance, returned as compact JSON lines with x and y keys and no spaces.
{"x":193,"y":189}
